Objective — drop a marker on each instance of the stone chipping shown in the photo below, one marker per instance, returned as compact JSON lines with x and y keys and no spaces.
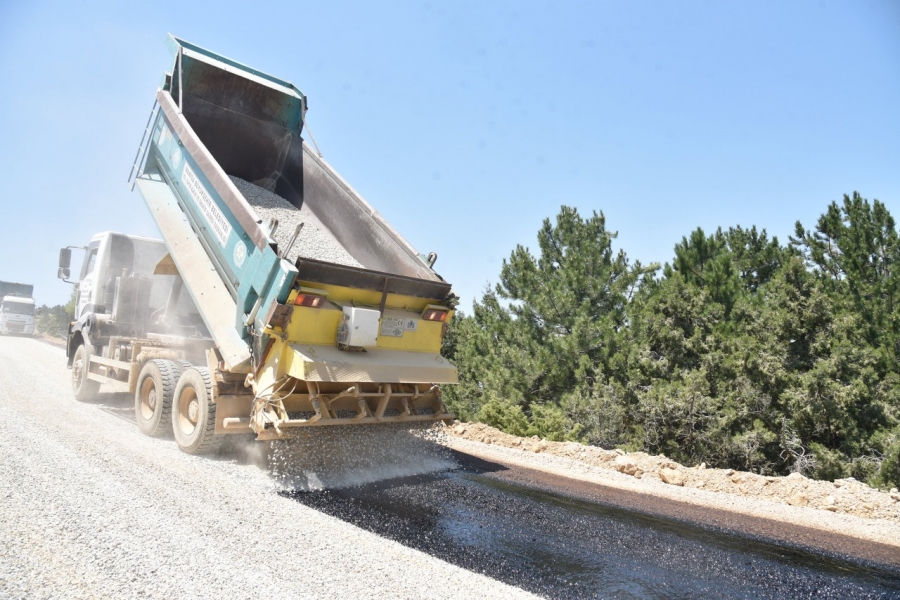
{"x":315,"y":241}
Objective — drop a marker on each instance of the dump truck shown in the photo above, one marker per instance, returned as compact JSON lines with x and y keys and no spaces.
{"x":219,"y":328}
{"x":16,"y":308}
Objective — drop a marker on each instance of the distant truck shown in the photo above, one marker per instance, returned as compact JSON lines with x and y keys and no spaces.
{"x":16,"y":308}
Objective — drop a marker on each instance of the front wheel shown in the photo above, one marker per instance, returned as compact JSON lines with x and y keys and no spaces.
{"x":193,"y":413}
{"x":85,"y":389}
{"x":153,"y":396}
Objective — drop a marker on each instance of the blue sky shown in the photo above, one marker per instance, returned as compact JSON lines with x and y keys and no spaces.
{"x":467,"y":123}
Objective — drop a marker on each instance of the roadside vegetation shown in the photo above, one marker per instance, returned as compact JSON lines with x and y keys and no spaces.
{"x":54,"y":320}
{"x":742,"y":352}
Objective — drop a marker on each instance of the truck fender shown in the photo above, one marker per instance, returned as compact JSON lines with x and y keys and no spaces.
{"x":79,"y":333}
{"x":75,"y":340}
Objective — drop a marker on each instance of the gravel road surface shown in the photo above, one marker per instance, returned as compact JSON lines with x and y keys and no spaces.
{"x":91,"y":508}
{"x":480,"y":517}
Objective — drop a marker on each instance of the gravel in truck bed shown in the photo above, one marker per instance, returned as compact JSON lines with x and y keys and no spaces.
{"x":314,"y":241}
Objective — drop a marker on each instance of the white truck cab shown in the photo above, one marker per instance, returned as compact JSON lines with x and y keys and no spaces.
{"x":125,"y":290}
{"x":17,"y":315}
{"x":111,"y":255}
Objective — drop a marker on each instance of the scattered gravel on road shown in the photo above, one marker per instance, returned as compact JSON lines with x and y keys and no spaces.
{"x":563,"y":547}
{"x":314,"y":241}
{"x":91,"y":508}
{"x":845,"y":506}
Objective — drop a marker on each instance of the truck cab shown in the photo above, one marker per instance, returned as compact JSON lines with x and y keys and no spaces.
{"x":17,"y":315}
{"x":16,"y":308}
{"x":124,"y":288}
{"x":112,"y":256}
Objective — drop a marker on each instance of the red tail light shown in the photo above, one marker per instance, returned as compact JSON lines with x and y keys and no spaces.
{"x":435,"y":314}
{"x":309,"y":300}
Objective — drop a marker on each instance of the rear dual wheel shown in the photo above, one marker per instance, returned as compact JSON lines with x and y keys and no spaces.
{"x":153,"y":396}
{"x":194,"y":413}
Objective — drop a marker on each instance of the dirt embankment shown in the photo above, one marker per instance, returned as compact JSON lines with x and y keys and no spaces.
{"x":847,"y":496}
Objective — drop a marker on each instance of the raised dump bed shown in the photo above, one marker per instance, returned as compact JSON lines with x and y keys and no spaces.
{"x":349,"y":329}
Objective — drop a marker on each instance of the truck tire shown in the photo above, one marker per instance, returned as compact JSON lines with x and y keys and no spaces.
{"x":153,"y":396}
{"x":194,"y":414}
{"x":85,"y":389}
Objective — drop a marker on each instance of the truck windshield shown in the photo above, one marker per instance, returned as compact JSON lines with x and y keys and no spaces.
{"x":18,"y":308}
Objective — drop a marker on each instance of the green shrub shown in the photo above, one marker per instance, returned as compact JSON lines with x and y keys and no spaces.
{"x":505,"y":416}
{"x":829,"y":464}
{"x":890,"y":466}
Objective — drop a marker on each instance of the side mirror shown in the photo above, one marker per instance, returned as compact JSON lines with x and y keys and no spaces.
{"x":63,"y":273}
{"x":65,"y":259}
